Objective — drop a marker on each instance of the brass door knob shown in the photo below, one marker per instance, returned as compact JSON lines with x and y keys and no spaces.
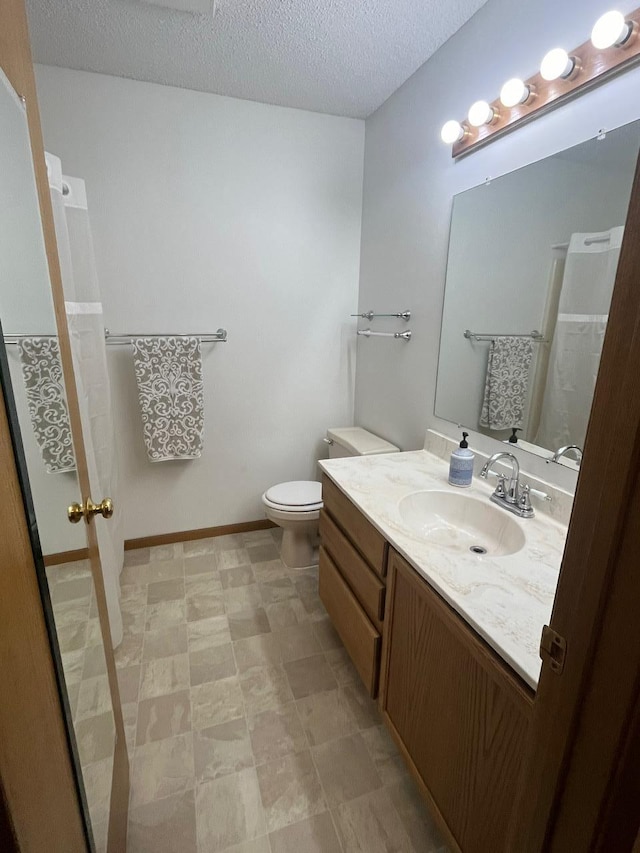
{"x":76,"y":512}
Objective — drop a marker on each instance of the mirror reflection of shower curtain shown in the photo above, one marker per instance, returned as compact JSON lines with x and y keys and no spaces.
{"x":86,"y":330}
{"x":587,"y":286}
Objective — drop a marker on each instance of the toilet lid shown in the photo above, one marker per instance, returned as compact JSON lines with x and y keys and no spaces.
{"x":296,"y":493}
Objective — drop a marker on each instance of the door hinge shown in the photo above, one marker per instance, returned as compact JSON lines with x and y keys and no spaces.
{"x":553,"y":648}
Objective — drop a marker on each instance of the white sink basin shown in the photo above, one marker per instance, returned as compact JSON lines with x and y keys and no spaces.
{"x":462,"y":523}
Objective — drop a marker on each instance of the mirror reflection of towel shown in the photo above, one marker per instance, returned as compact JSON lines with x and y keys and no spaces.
{"x":44,"y":384}
{"x":507,"y":382}
{"x":169,"y":376}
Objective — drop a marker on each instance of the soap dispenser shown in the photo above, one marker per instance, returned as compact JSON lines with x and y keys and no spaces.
{"x":461,"y":464}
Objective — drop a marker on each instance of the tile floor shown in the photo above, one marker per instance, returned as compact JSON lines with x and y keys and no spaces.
{"x":248,"y":728}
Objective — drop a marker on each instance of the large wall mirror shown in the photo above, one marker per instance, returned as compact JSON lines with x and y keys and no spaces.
{"x":33,"y":387}
{"x":532,"y":263}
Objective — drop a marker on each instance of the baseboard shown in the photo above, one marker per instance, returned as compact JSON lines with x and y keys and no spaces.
{"x":66,"y":557}
{"x":166,"y":539}
{"x":201,"y":533}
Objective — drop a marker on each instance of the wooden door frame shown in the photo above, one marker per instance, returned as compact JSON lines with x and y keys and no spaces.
{"x":581,"y":771}
{"x":16,"y":62}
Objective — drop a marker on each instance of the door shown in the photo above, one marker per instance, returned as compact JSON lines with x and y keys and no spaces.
{"x":48,"y":458}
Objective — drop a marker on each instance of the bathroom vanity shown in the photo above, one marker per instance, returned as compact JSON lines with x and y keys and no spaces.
{"x":446,"y":639}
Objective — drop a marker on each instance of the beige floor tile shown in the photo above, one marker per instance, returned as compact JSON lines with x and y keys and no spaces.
{"x":263,"y":552}
{"x":100,"y":833}
{"x":94,"y":632}
{"x":257,"y":537}
{"x":134,"y":575}
{"x":164,"y":826}
{"x":79,"y":588}
{"x":201,"y":565}
{"x":280,"y":589}
{"x":342,"y":666}
{"x":212,"y":664}
{"x":206,"y":633}
{"x":165,"y":675}
{"x":238,"y":598}
{"x":248,"y":623}
{"x":262,"y":650}
{"x":129,"y":683}
{"x":371,"y":824}
{"x":164,"y":570}
{"x":130,"y":716}
{"x":165,"y":590}
{"x":314,"y":835}
{"x":163,"y":717}
{"x":326,"y":716}
{"x":95,"y":737}
{"x":309,"y":675}
{"x":346,"y":769}
{"x":290,"y":790}
{"x":229,"y":561}
{"x":363,"y":707}
{"x":71,"y":613}
{"x":73,"y":637}
{"x":204,"y":606}
{"x":415,"y":817}
{"x":206,"y":584}
{"x":171,"y":551}
{"x":164,"y":614}
{"x":265,"y":687}
{"x":133,"y":595}
{"x":231,"y":542}
{"x":220,"y":750}
{"x":74,"y":665}
{"x":327,"y":634}
{"x":270,"y":570}
{"x":256,"y":845}
{"x":97,"y":778}
{"x":298,"y":642}
{"x":133,"y":621}
{"x":165,"y":642}
{"x":276,"y":732}
{"x":198,"y":547}
{"x":129,"y":651}
{"x":216,"y":702}
{"x":229,"y":811}
{"x":94,"y":697}
{"x":162,"y":768}
{"x":137,"y":557}
{"x":388,"y":761}
{"x":73,"y":692}
{"x":285,"y":614}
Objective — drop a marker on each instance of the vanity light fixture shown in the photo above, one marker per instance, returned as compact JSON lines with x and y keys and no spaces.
{"x":452,"y":131}
{"x":611,"y":30}
{"x":614,"y":47}
{"x":481,"y":113}
{"x":557,"y":64}
{"x":514,"y":92}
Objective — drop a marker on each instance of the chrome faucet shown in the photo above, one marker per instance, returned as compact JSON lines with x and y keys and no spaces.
{"x":562,"y":451}
{"x":510,"y":497}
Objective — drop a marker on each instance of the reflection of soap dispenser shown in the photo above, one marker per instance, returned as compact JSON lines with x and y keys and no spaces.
{"x":461,"y":464}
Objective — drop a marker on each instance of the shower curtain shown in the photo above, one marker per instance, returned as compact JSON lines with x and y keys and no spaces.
{"x":583,"y":310}
{"x":86,"y":330}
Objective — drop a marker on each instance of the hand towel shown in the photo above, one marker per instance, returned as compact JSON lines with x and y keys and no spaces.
{"x":44,"y":384}
{"x":169,"y":376}
{"x":507,"y":382}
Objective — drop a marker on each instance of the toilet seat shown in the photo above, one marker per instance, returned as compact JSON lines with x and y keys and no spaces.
{"x":297,"y":496}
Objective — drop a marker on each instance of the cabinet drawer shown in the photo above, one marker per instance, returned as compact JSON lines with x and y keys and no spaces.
{"x":360,"y":638}
{"x":367,"y":586}
{"x":371,"y":544}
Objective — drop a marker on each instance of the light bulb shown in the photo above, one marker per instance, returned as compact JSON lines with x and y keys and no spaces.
{"x":480,"y":113}
{"x":610,"y":30}
{"x":557,"y":63}
{"x":514,"y":92}
{"x":452,"y":131}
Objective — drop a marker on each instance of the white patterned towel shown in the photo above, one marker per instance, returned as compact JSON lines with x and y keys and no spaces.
{"x":42,"y":374}
{"x":169,"y":377}
{"x":507,"y":382}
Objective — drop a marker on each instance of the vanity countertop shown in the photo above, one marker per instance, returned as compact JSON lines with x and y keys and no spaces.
{"x":505,"y":599}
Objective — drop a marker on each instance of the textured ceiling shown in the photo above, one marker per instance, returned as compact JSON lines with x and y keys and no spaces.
{"x":343,"y":57}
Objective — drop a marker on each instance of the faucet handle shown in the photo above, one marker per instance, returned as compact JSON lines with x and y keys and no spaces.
{"x":524,"y":500}
{"x":501,"y":487}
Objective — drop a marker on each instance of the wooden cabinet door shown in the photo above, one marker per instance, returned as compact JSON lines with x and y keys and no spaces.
{"x":460,"y":716}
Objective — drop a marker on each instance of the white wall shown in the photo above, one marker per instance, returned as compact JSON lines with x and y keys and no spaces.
{"x":208,"y":211}
{"x":410,"y":180}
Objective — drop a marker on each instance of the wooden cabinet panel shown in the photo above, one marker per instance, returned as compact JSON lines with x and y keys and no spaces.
{"x":367,"y":586}
{"x":360,"y":638}
{"x":371,"y":544}
{"x":460,"y":715}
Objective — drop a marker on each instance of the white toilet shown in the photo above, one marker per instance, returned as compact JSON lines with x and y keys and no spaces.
{"x":296,"y":506}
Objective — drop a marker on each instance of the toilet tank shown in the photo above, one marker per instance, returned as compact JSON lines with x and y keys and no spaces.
{"x":355,"y":441}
